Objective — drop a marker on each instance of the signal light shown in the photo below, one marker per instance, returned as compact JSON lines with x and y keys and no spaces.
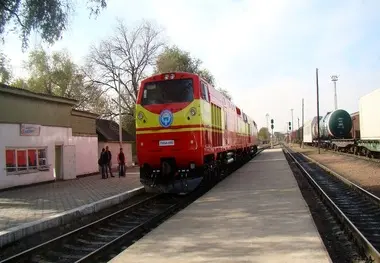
{"x":290,"y":126}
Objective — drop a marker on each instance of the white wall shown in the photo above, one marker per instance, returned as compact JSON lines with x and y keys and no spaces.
{"x":49,"y":137}
{"x":114,"y":147}
{"x":86,"y":150}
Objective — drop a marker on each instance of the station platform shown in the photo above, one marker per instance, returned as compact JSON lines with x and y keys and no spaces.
{"x":27,"y":210}
{"x":257,"y":214}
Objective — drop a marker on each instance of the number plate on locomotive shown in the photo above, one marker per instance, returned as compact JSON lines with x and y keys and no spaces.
{"x":166,"y":143}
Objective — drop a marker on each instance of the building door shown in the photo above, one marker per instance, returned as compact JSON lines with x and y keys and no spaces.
{"x":58,"y":162}
{"x":69,"y":162}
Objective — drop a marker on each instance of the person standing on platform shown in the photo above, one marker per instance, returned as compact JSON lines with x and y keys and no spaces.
{"x":103,"y":163}
{"x":109,"y":161}
{"x":121,"y":159}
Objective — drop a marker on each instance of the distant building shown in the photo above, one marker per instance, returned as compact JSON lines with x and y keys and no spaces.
{"x":108,"y":134}
{"x":43,"y":138}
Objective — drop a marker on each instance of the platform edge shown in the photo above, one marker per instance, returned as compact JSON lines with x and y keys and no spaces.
{"x":16,"y":233}
{"x":309,"y":212}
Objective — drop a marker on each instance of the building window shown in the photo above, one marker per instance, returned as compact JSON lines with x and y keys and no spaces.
{"x":25,"y":160}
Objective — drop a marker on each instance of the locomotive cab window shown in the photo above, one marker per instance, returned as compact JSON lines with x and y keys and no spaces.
{"x":204,"y":92}
{"x":245,"y":117}
{"x":168,"y":91}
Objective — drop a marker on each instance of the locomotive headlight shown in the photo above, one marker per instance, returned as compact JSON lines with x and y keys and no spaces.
{"x":172,"y":76}
{"x":140,"y":115}
{"x":193,"y":111}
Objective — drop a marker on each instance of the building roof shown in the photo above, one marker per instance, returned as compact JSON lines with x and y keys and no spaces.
{"x":109,"y":130}
{"x":85,"y":114}
{"x":30,"y":94}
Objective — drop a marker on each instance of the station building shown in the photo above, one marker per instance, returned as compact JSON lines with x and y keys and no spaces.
{"x":42,"y":138}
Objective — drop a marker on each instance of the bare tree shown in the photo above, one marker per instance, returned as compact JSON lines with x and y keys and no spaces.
{"x":128,"y":53}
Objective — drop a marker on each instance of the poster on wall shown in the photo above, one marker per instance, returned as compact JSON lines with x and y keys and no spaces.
{"x":30,"y":130}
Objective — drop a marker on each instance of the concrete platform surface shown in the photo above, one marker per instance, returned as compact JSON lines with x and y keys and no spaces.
{"x":25,"y":211}
{"x":256,"y":214}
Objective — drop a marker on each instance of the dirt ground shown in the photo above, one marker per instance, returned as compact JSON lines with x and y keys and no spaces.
{"x":362,"y":172}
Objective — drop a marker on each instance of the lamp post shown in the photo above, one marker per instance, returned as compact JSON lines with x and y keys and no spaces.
{"x":334,"y":78}
{"x":267,"y":115}
{"x":303,"y":119}
{"x":316,"y":80}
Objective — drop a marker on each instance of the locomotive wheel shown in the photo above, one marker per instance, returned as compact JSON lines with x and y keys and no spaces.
{"x":356,"y":150}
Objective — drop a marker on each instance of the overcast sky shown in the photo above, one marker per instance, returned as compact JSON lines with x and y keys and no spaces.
{"x":263,"y":52}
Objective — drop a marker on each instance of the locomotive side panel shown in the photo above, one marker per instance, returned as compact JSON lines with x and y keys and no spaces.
{"x":206,"y":118}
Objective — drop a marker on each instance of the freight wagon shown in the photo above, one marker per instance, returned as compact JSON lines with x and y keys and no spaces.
{"x":357,"y":133}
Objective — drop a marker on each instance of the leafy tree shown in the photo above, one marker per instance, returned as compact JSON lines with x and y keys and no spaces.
{"x":263,"y":134}
{"x":175,"y":59}
{"x":19,"y":83}
{"x":5,"y":69}
{"x":280,"y":136}
{"x":49,"y":18}
{"x":59,"y":75}
{"x":129,"y":52}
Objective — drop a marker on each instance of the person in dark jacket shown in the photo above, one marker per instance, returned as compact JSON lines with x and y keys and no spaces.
{"x":103,"y":160}
{"x":121,"y":160}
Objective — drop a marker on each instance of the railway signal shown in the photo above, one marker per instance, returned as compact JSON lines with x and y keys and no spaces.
{"x":272,"y":127}
{"x":290,"y":126}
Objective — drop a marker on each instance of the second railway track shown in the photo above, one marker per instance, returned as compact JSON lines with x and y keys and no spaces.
{"x":90,"y":241}
{"x":356,"y":209}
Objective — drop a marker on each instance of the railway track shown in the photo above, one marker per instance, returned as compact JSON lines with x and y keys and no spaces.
{"x":101,"y":240}
{"x":88,"y":242}
{"x":361,"y":157}
{"x":357,"y":210}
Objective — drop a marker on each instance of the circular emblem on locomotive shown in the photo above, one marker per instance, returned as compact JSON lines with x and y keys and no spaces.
{"x":166,"y":118}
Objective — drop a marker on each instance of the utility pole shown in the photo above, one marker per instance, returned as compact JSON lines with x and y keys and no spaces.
{"x":291,"y":132}
{"x":303,"y":119}
{"x":334,"y":78}
{"x":120,"y":130}
{"x":292,"y":119}
{"x":316,"y":74}
{"x":298,"y":119}
{"x":267,"y":115}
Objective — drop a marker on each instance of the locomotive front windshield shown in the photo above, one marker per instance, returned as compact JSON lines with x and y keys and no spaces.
{"x":168,"y":91}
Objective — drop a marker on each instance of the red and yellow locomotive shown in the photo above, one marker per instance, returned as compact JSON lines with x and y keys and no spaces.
{"x":187,"y":131}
